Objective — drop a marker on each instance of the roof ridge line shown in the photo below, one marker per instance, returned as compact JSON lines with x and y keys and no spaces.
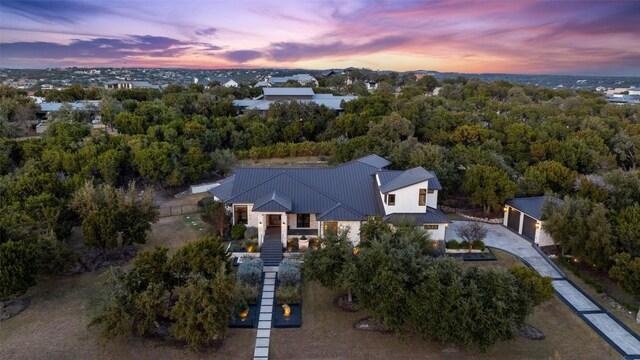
{"x":255,"y":186}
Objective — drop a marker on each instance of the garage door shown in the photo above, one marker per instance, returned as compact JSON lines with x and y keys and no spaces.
{"x":514,"y":219}
{"x":529,"y":227}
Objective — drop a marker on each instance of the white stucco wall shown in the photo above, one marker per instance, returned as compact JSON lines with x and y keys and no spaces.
{"x":293,"y":221}
{"x":543,"y":238}
{"x":406,"y":200}
{"x":432,"y":199}
{"x":353,"y":226}
{"x":439,"y":233}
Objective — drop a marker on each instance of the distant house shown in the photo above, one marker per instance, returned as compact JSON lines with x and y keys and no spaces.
{"x":371,"y":85}
{"x":126,"y":84}
{"x":302,"y":79}
{"x":262,"y":83}
{"x":46,"y":108}
{"x":224,"y":81}
{"x":304,"y":95}
{"x":289,"y":202}
{"x":524,"y":216}
{"x":622,"y":99}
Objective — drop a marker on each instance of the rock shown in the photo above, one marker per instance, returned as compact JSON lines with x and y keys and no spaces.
{"x":369,"y":324}
{"x":529,"y":332}
{"x":11,"y":308}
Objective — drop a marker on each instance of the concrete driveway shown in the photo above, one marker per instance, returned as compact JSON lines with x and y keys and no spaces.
{"x":605,"y":324}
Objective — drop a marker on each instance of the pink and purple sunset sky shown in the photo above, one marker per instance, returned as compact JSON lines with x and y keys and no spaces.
{"x":520,"y":36}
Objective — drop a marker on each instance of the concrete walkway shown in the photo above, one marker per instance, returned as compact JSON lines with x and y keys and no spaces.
{"x":263,"y":336}
{"x":623,"y":339}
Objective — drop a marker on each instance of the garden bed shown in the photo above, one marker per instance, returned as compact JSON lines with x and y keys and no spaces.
{"x":486,"y":255}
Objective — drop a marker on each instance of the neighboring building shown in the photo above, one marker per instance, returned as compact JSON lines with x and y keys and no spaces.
{"x":371,"y":85}
{"x":125,"y":84}
{"x":224,"y":81}
{"x":289,"y":202}
{"x":524,"y":216}
{"x":46,"y":108}
{"x":303,"y":79}
{"x":263,"y":83}
{"x":624,"y":99}
{"x":303,"y":95}
{"x":634,"y":91}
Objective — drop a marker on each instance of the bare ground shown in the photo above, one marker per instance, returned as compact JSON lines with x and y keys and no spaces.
{"x":55,"y":324}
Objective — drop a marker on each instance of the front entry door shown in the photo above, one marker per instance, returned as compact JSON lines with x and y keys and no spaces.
{"x":274,"y":220}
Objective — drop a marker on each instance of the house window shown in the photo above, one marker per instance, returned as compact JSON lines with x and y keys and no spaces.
{"x":304,"y":220}
{"x":240,"y":214}
{"x":330,"y":227}
{"x":430,"y":227}
{"x":422,"y":197}
{"x":391,"y":199}
{"x":430,"y":191}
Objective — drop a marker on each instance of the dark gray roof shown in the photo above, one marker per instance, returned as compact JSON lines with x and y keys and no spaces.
{"x":406,"y":178}
{"x":375,"y":161}
{"x":273,"y":202}
{"x":432,"y":216}
{"x":288,"y":91}
{"x":345,"y":192}
{"x":223,"y":191}
{"x":531,"y":206}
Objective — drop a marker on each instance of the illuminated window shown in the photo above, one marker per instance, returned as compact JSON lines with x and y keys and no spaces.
{"x":330,"y":226}
{"x":422,"y":197}
{"x":430,"y":227}
{"x":240,"y":214}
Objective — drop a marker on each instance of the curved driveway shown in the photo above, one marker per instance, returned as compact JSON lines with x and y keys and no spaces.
{"x":605,"y":324}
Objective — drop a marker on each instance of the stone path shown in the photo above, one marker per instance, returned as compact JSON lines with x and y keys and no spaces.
{"x":623,"y":339}
{"x":263,"y":336}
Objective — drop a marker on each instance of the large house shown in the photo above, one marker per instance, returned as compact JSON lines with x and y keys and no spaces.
{"x":302,"y":95}
{"x":127,"y":84}
{"x":291,"y":202}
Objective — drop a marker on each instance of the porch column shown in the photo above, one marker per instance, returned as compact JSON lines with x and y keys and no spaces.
{"x":521,"y":223}
{"x":506,"y":215}
{"x":261,"y":229}
{"x":283,"y":231}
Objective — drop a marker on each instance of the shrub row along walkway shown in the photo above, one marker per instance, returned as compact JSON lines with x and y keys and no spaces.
{"x":263,"y":336}
{"x":605,"y":324}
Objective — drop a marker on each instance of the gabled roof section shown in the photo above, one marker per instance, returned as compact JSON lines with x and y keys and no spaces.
{"x":407,"y":178}
{"x":273,"y":202}
{"x":532,"y":206}
{"x":340,"y":213}
{"x":223,"y":191}
{"x":376,"y":161}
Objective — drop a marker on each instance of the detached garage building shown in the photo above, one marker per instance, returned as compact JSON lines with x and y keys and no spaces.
{"x":524,"y":216}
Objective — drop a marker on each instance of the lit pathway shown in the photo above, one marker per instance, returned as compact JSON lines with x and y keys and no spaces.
{"x":621,"y":338}
{"x":263,"y":336}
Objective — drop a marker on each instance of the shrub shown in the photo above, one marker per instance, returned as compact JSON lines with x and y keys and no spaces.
{"x":237,"y":231}
{"x":251,"y":232}
{"x":288,"y":294}
{"x":539,"y":287}
{"x":478,"y":245}
{"x":204,"y":202}
{"x":626,"y":272}
{"x":251,"y":246}
{"x":250,"y":272}
{"x":464,"y":245}
{"x":289,"y":272}
{"x":453,"y":245}
{"x":235,"y":246}
{"x":248,"y":293}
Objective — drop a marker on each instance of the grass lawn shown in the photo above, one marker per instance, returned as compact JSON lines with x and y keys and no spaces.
{"x":327,"y":332}
{"x":54,"y":326}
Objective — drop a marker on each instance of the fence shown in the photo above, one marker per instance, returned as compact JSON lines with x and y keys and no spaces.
{"x":166,"y":211}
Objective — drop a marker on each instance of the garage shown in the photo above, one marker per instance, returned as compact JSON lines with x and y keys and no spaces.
{"x":513,"y":222}
{"x":529,"y":227}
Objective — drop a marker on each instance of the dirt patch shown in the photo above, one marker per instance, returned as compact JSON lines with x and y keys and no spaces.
{"x":369,"y":324}
{"x":343,"y":303}
{"x":92,"y":259}
{"x":300,"y":161}
{"x":11,"y":308}
{"x":529,"y":332}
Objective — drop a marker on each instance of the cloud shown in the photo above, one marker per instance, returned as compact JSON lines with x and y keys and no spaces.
{"x":106,"y":48}
{"x":206,"y":31}
{"x":293,"y":51}
{"x":242,"y":56}
{"x":52,"y":11}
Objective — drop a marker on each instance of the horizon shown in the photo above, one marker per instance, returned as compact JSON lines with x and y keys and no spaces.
{"x":577,"y":38}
